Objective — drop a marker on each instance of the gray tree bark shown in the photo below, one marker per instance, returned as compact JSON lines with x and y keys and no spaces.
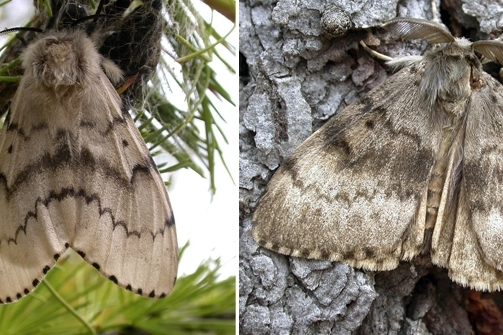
{"x":294,"y":76}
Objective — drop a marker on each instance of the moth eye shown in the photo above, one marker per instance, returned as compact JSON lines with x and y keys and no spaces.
{"x":51,"y":41}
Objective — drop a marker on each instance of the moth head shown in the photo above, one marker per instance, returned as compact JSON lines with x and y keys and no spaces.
{"x":451,"y":70}
{"x":435,"y":33}
{"x":61,"y":59}
{"x":65,"y":55}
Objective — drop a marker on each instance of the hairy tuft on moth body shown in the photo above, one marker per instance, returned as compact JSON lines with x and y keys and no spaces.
{"x":414,"y":166}
{"x":62,"y":59}
{"x":76,"y":173}
{"x":65,"y":59}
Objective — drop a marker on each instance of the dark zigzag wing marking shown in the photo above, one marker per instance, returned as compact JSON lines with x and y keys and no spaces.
{"x":136,"y":172}
{"x":63,"y":157}
{"x":20,"y":132}
{"x":63,"y":154}
{"x":71,"y":193}
{"x":89,"y":124}
{"x":68,"y":192}
{"x":65,"y":193}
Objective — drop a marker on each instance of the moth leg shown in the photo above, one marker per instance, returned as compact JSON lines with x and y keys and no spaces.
{"x":375,"y":54}
{"x":396,"y":63}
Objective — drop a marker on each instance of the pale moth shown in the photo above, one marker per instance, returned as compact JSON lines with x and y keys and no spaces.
{"x":414,"y":167}
{"x":76,"y":173}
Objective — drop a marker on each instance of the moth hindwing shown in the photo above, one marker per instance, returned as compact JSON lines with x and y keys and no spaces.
{"x":75,"y":172}
{"x":415,"y":166}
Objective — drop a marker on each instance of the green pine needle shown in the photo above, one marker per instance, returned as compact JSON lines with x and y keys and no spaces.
{"x":76,"y":299}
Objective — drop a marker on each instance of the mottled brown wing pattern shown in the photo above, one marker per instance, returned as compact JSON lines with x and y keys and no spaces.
{"x":476,"y":258}
{"x":336,"y":196}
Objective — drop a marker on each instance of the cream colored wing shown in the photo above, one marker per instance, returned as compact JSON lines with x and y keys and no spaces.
{"x":75,"y":172}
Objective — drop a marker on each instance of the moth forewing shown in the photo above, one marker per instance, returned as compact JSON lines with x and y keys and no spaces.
{"x":321,"y":200}
{"x":75,"y":172}
{"x":415,"y":166}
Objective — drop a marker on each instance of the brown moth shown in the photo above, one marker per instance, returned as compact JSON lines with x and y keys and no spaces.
{"x":415,"y":166}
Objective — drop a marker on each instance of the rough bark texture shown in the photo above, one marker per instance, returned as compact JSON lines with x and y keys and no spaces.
{"x":294,"y":76}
